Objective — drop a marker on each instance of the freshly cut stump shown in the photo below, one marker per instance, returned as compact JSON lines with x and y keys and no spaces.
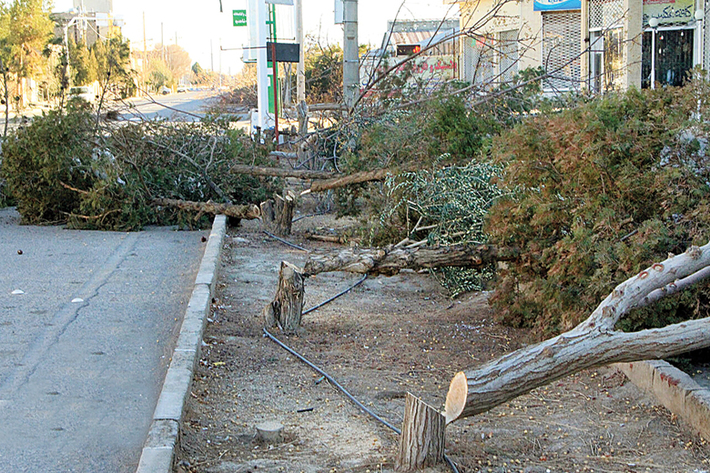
{"x":270,"y":432}
{"x":423,"y":436}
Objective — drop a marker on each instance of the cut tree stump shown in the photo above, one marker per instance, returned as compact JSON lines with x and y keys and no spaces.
{"x":277,"y":214}
{"x":287,"y":307}
{"x":270,"y":432}
{"x":423,"y":436}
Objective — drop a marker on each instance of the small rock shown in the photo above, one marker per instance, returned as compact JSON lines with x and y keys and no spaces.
{"x":17,"y":292}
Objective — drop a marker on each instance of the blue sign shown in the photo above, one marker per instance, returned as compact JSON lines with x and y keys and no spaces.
{"x":554,"y":5}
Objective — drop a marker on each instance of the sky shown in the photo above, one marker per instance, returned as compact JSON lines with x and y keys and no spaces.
{"x":199,"y":27}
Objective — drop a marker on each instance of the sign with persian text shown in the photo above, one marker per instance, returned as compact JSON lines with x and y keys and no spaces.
{"x":668,"y":11}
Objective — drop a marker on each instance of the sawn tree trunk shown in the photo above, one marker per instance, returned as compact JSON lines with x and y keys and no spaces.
{"x":593,"y":343}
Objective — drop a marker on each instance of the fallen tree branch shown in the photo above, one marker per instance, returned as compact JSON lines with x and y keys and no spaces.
{"x":390,"y":261}
{"x":247,"y":212}
{"x":281,"y":172}
{"x":350,"y":179}
{"x":593,"y":343}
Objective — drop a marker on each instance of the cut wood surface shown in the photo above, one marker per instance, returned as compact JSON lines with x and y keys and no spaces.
{"x":593,"y":343}
{"x":247,"y":212}
{"x":391,"y":260}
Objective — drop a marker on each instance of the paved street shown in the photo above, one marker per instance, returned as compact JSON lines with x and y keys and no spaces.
{"x":193,"y":102}
{"x":85,"y":345}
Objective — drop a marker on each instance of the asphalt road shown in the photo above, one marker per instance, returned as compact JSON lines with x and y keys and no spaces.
{"x":194,"y":103}
{"x":85,"y":345}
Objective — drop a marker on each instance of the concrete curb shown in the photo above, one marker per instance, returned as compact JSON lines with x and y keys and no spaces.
{"x":677,"y":391}
{"x":159,"y":447}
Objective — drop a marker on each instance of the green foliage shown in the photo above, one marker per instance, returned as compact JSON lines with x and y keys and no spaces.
{"x":451,"y":202}
{"x":38,"y":159}
{"x":60,"y":169}
{"x":602,"y":191}
{"x":324,"y":73}
{"x":29,"y":28}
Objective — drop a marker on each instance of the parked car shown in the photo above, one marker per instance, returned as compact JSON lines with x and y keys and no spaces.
{"x":165,"y":90}
{"x":181,"y":89}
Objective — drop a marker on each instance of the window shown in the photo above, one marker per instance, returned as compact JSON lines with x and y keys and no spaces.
{"x":606,"y":53}
{"x":561,"y":49}
{"x":508,"y":50}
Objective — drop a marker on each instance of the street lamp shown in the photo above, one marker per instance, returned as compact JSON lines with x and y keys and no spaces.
{"x":653,"y":23}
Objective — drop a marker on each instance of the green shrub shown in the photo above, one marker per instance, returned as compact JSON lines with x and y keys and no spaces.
{"x":42,"y":161}
{"x":61,"y":169}
{"x":602,"y":191}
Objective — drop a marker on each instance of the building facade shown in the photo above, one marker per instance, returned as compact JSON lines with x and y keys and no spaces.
{"x":598,"y":45}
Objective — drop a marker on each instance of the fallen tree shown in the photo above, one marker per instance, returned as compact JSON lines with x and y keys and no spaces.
{"x":247,"y":212}
{"x":389,"y":261}
{"x":305,"y":174}
{"x":594,"y":342}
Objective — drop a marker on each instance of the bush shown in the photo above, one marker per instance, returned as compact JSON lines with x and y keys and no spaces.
{"x":602,"y":191}
{"x":61,"y":169}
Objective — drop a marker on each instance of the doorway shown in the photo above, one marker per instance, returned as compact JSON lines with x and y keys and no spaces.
{"x":674,"y":56}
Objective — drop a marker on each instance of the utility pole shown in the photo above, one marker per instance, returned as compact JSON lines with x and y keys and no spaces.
{"x":145,"y":54}
{"x":301,"y":68}
{"x":162,"y":42}
{"x":351,"y":57}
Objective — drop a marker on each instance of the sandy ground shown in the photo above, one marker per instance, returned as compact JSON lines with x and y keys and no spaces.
{"x":386,"y":337}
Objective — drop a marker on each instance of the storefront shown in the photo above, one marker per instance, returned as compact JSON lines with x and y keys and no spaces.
{"x":672,"y":41}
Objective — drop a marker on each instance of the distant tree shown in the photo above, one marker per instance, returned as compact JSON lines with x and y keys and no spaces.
{"x":83,"y":63}
{"x":178,"y":61}
{"x":324,"y":73}
{"x":197,"y":69}
{"x":29,"y":28}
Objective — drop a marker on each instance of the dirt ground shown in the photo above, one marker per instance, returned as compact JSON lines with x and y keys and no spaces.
{"x":386,"y":337}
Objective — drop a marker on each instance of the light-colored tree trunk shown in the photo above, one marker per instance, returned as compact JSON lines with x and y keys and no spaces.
{"x":390,"y":261}
{"x":277,"y":214}
{"x":247,"y":212}
{"x":423,"y":436}
{"x":287,"y":307}
{"x":594,"y":342}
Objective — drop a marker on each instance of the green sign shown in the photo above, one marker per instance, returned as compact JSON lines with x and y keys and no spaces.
{"x":239,"y":17}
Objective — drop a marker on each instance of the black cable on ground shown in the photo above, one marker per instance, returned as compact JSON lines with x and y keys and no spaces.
{"x":332,"y":381}
{"x":286,"y":242}
{"x":335,"y":296}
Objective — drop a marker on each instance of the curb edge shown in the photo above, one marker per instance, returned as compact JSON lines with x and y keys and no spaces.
{"x":159,"y":448}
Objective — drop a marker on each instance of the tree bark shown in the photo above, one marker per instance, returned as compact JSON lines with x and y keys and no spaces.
{"x":592,"y":343}
{"x":247,"y":212}
{"x":280,"y":172}
{"x":277,"y":214}
{"x":423,"y":436}
{"x":287,"y":307}
{"x":350,"y":179}
{"x":390,"y":261}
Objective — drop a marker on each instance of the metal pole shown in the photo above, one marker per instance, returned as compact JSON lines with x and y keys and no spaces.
{"x":276,"y":93}
{"x":653,"y":58}
{"x":262,"y":75}
{"x":351,"y":58}
{"x":301,"y":68}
